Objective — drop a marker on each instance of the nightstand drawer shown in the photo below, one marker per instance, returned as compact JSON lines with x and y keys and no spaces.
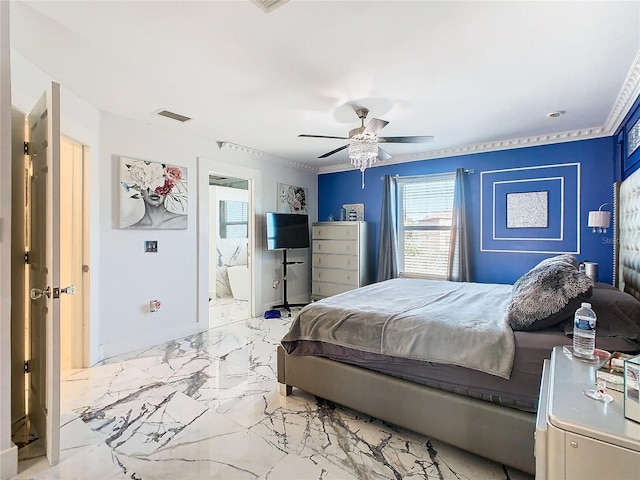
{"x":343,"y":247}
{"x":346,"y":262}
{"x":335,"y":232}
{"x":335,"y":275}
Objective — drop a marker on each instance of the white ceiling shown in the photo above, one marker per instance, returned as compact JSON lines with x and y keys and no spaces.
{"x":473,"y":74}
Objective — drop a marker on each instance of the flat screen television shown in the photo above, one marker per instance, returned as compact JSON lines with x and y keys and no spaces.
{"x":287,"y":230}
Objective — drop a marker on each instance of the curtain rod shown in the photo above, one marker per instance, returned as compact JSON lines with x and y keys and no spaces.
{"x":466,"y":170}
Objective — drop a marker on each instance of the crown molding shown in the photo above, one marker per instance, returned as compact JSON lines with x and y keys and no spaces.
{"x":233,"y":147}
{"x":627,"y":96}
{"x":548,"y":139}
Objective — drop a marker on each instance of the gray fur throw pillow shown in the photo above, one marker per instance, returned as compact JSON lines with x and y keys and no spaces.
{"x":548,"y":294}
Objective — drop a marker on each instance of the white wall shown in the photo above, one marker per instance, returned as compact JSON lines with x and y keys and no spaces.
{"x":123,"y":278}
{"x":81,"y":122}
{"x":178,"y":274}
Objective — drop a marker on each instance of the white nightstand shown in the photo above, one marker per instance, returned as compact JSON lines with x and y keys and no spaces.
{"x":578,"y":437}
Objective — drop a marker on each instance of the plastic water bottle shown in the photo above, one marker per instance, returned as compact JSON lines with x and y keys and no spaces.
{"x":584,"y":331}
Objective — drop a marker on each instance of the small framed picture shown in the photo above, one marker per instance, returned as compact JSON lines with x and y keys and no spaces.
{"x":292,"y":199}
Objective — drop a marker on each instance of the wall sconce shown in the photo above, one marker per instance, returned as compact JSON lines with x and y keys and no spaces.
{"x":599,"y":220}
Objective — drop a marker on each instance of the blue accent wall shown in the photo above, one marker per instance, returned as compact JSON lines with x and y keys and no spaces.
{"x":628,"y":161}
{"x":596,"y":159}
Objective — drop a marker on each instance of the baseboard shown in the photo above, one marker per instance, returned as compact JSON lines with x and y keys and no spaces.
{"x":149,"y":339}
{"x":9,"y":463}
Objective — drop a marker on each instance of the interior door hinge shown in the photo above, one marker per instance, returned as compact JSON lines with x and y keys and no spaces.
{"x":26,"y":148}
{"x":27,"y":366}
{"x":26,"y":258}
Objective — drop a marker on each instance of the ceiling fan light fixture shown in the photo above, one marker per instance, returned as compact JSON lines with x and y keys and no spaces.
{"x":363,"y":152}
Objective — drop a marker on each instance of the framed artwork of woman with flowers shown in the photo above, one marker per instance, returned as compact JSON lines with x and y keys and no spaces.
{"x":292,"y":199}
{"x":153,"y":195}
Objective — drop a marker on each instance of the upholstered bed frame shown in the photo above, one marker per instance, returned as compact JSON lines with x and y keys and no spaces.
{"x":502,"y":434}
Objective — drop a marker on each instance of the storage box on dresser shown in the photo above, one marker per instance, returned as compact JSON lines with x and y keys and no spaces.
{"x":341,"y":257}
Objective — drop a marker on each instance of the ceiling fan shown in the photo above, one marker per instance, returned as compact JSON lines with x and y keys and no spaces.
{"x":369,"y":133}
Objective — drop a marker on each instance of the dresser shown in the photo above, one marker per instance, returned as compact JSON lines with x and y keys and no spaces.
{"x":578,"y":437}
{"x":341,"y":257}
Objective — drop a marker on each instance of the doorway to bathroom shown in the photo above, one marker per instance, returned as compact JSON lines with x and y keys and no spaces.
{"x":230,"y":214}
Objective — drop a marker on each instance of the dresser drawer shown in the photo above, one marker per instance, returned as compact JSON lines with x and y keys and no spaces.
{"x":346,"y":262}
{"x":335,"y":275}
{"x":343,"y":247}
{"x":325,"y":289}
{"x":335,"y":232}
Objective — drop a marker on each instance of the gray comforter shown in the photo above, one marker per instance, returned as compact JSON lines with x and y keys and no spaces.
{"x":454,"y":323}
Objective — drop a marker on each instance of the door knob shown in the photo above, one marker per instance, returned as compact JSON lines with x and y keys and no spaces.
{"x":36,"y":293}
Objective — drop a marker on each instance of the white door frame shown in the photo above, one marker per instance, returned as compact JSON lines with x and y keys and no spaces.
{"x":254,"y":257}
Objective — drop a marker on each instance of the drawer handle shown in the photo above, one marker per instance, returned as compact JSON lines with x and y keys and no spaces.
{"x":319,"y":246}
{"x":319,"y":260}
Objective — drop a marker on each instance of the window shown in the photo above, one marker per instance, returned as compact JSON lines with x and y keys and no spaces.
{"x":425,"y":207}
{"x":234,"y":219}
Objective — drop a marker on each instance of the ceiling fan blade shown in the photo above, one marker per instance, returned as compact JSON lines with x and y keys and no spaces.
{"x":423,"y":139}
{"x":375,"y":125}
{"x":323,"y":136}
{"x":382,"y":155}
{"x":334,"y":151}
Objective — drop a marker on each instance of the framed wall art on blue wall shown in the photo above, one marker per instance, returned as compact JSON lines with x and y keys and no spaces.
{"x":531,"y":209}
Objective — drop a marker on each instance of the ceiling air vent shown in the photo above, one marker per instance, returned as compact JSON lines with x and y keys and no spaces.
{"x":269,"y":5}
{"x":173,"y":116}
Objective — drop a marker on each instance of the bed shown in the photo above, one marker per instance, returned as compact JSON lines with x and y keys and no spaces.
{"x":478,"y":395}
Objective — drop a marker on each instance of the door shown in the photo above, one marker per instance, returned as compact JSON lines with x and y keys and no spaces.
{"x":19,"y":294}
{"x":44,"y":270}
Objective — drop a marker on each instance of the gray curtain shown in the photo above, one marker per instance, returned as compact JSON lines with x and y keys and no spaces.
{"x":388,"y":242}
{"x":459,"y":247}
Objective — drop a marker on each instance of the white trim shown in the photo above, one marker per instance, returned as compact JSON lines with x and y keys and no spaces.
{"x":576,"y":250}
{"x":551,"y":239}
{"x":555,"y":252}
{"x":9,"y":463}
{"x":629,"y":91}
{"x":233,"y":147}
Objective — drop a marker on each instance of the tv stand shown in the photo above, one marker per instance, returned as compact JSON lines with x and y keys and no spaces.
{"x":285,"y":304}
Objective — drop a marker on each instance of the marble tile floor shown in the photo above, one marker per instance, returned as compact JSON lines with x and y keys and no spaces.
{"x":225,"y":310}
{"x":207,"y":407}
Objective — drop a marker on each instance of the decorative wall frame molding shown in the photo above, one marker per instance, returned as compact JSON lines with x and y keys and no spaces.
{"x":560,"y":233}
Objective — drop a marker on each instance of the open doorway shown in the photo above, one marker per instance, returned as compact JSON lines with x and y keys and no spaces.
{"x":230,"y":266}
{"x":74,"y":253}
{"x":74,"y":308}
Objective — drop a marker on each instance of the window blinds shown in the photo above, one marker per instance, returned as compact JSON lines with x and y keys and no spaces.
{"x":425,"y":205}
